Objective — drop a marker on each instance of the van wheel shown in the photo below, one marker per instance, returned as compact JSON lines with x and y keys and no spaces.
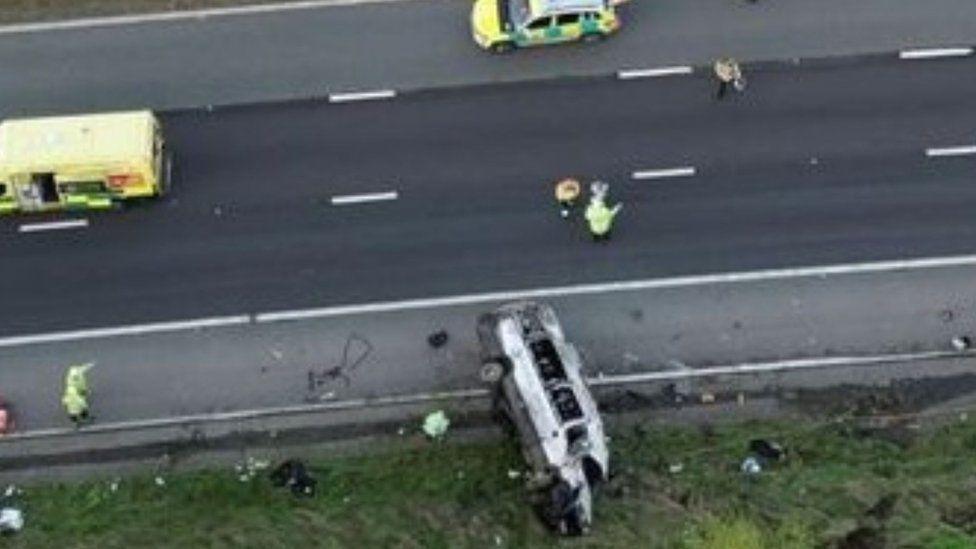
{"x":492,"y":372}
{"x":502,"y":47}
{"x":592,"y":37}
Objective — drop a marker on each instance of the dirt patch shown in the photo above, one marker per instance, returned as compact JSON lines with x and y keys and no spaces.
{"x":901,"y":396}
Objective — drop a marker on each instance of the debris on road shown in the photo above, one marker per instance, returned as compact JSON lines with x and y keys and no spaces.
{"x":11,"y":520}
{"x":250,"y":468}
{"x":293,"y":474}
{"x":751,"y":466}
{"x":436,"y":424}
{"x":961,"y":343}
{"x":437,"y":339}
{"x":767,"y":450}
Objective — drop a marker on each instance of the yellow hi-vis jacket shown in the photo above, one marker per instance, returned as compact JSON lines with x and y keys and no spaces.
{"x":600,"y":217}
{"x":74,"y":402}
{"x":77,"y":378}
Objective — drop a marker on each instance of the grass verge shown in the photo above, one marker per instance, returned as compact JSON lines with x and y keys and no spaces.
{"x":842,"y":486}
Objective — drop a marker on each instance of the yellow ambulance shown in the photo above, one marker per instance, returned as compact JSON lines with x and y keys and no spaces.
{"x":80,"y":162}
{"x":503,"y":25}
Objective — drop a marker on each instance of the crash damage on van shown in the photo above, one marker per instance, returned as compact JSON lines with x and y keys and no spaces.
{"x":540,"y":393}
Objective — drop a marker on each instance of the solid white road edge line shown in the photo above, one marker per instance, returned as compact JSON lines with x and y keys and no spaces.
{"x":361,"y":96}
{"x":632,"y":74}
{"x":240,"y":415}
{"x":951,"y":151}
{"x":768,"y":367}
{"x":158,"y":17}
{"x":622,"y":286}
{"x":934,"y":53}
{"x":471,"y":299}
{"x":421,"y":398}
{"x":686,"y":171}
{"x":53,"y":226}
{"x":156,"y":327}
{"x":360,"y":198}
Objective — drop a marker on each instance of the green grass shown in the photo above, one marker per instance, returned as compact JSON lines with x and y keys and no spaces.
{"x":418,"y":494}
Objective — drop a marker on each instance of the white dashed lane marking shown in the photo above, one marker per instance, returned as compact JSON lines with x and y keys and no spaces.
{"x":686,"y":171}
{"x":632,"y":74}
{"x":53,"y":226}
{"x":951,"y":151}
{"x":361,"y":96}
{"x":361,"y":198}
{"x":935,"y":53}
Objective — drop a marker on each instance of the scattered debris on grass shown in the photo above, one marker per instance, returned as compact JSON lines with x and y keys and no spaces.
{"x":436,"y":424}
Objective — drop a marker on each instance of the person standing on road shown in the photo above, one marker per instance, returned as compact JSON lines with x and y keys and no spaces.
{"x":728,"y":72}
{"x":75,"y":397}
{"x":567,"y":191}
{"x":76,"y":405}
{"x":599,"y":217}
{"x":77,"y":376}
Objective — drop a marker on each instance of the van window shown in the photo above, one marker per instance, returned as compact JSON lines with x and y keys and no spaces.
{"x":541,"y":23}
{"x":83,"y":187}
{"x":567,"y":19}
{"x":3,"y":189}
{"x":592,"y":15}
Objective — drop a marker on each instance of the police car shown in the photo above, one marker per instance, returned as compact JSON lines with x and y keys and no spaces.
{"x":503,"y":25}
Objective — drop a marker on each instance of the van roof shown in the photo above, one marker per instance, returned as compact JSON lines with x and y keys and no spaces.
{"x":50,"y":143}
{"x":546,"y":7}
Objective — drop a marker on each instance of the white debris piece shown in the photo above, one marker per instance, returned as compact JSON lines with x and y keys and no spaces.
{"x":436,"y":424}
{"x":676,"y":468}
{"x":11,"y":520}
{"x":160,"y":481}
{"x":750,"y":466}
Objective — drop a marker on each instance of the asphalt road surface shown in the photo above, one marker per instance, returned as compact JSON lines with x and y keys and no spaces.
{"x":424,"y":43}
{"x":809,"y":166}
{"x":266,"y":365}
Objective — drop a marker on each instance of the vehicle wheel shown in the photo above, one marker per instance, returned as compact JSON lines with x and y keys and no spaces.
{"x":593,"y":37}
{"x":492,"y":372}
{"x":502,"y":47}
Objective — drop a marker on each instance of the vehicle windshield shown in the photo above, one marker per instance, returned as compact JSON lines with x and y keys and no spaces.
{"x":519,"y":12}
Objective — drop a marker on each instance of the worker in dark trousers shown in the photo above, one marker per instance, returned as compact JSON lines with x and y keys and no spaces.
{"x":599,"y":216}
{"x":567,"y":192}
{"x":76,"y":405}
{"x":729,"y":73}
{"x":75,"y":397}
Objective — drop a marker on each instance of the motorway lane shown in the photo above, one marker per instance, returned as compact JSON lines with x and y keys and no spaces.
{"x":266,"y":365}
{"x":424,"y":43}
{"x":250,"y":227}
